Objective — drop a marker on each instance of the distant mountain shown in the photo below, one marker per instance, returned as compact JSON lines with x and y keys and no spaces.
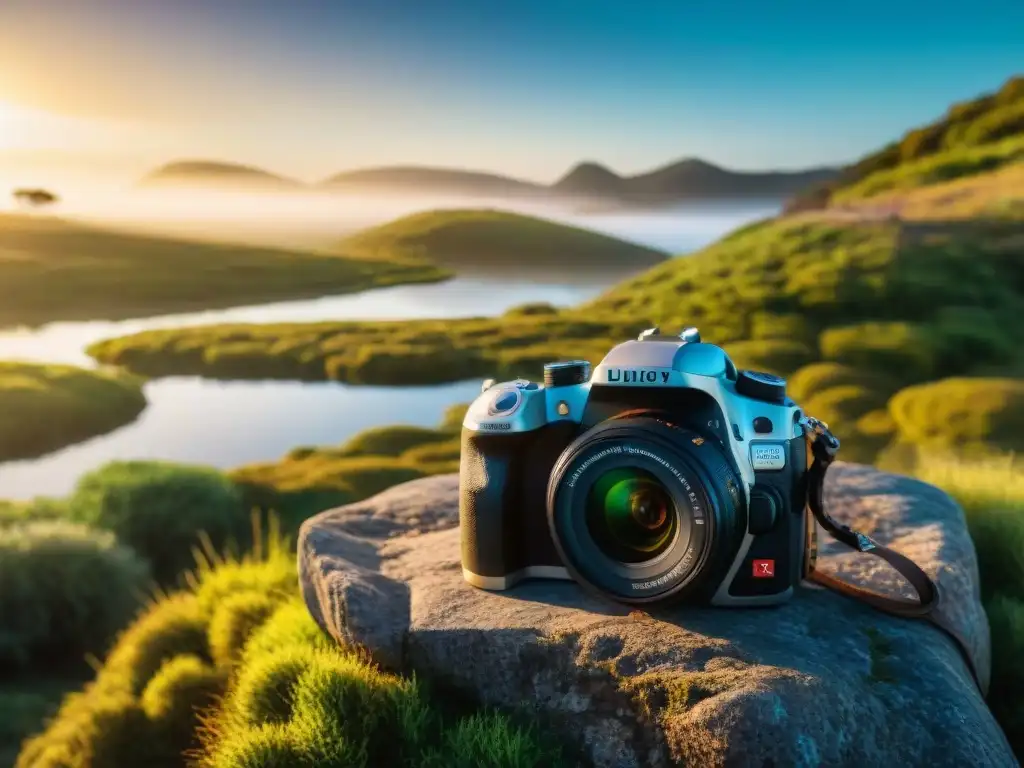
{"x":212,"y":173}
{"x":688,"y":179}
{"x":446,"y":180}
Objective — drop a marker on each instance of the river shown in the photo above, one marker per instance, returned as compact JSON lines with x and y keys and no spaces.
{"x":225,"y":424}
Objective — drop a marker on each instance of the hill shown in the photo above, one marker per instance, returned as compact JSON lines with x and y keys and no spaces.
{"x":460,"y":238}
{"x":209,"y":173}
{"x":973,"y":137}
{"x":435,"y":180}
{"x":52,"y":269}
{"x":688,"y":179}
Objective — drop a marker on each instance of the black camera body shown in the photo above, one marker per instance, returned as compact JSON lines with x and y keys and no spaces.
{"x":667,"y":475}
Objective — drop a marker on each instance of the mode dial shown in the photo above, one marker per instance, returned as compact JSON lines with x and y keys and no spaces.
{"x":690,"y":335}
{"x":761,"y":386}
{"x":566,"y":373}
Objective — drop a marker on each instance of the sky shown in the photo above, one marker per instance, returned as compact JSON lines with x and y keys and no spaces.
{"x":526,"y":88}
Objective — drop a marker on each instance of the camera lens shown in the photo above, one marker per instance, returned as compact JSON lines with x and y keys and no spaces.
{"x":641,"y":510}
{"x":630,"y":515}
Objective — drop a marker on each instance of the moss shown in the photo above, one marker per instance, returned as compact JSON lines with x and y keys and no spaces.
{"x":47,"y":407}
{"x":234,"y":620}
{"x":880,"y":654}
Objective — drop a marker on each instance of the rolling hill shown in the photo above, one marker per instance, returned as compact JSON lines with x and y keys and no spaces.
{"x":434,"y":180}
{"x":468,"y":238}
{"x":210,"y":173}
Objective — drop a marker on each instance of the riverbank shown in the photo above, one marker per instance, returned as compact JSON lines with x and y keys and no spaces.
{"x":47,"y":407}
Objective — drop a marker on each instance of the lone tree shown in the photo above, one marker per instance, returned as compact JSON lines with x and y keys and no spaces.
{"x":36,"y":198}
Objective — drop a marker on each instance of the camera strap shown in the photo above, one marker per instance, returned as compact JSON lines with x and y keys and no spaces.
{"x":824,"y":446}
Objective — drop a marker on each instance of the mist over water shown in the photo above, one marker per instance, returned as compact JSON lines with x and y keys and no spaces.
{"x":319,"y":218}
{"x":225,"y":424}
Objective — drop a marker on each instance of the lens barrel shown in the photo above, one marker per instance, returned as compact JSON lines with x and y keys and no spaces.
{"x":643,"y":511}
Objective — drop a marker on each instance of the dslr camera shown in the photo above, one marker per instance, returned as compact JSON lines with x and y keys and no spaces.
{"x":668,"y":474}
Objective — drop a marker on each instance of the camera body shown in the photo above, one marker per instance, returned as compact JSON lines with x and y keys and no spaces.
{"x":668,"y":474}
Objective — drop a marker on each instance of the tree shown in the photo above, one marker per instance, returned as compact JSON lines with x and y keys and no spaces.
{"x":36,"y":198}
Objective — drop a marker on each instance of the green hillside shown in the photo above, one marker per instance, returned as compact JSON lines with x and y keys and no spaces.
{"x":59,"y":270}
{"x":973,"y":137}
{"x":458,"y":238}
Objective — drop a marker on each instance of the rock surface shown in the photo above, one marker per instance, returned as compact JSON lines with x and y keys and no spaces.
{"x":821,"y":681}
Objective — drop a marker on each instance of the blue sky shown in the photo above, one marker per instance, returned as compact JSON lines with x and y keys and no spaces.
{"x":527,"y":88}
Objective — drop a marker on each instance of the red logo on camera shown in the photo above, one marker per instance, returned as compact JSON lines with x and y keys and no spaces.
{"x":764,"y":569}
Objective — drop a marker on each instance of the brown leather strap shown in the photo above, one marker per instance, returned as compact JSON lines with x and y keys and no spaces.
{"x":824,"y":447}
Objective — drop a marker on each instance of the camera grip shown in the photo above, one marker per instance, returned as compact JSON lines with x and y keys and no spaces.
{"x":488,"y":489}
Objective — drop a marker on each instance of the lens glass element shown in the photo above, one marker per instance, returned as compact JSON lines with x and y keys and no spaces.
{"x":630,"y":515}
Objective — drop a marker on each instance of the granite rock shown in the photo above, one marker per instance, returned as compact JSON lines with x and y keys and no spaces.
{"x":820,"y":681}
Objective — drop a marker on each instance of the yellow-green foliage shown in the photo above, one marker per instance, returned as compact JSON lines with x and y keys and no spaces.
{"x":902,"y":349}
{"x":143,"y":706}
{"x":159,"y":509}
{"x":962,"y":413}
{"x":235,"y":672}
{"x":57,"y":270}
{"x":310,"y":479}
{"x":991,"y":491}
{"x":488,"y":237}
{"x":46,"y":407}
{"x":973,"y":137}
{"x":65,"y":590}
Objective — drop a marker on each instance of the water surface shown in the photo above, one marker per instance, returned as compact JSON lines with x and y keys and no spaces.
{"x":226,"y":424}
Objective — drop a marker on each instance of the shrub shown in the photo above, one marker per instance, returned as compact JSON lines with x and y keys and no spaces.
{"x":904,"y":350}
{"x":391,"y":441}
{"x":812,"y":379}
{"x":64,"y":590}
{"x":962,"y":413}
{"x":144,"y":706}
{"x":160,"y":509}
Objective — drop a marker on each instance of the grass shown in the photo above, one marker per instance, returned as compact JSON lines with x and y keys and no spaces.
{"x":232,"y":671}
{"x":460,"y":238}
{"x":991,"y":491}
{"x":52,"y":269}
{"x":974,"y":137}
{"x":311,"y":479}
{"x":47,"y":407}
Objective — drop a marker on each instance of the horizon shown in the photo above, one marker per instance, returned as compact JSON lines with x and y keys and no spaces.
{"x":312,"y":90}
